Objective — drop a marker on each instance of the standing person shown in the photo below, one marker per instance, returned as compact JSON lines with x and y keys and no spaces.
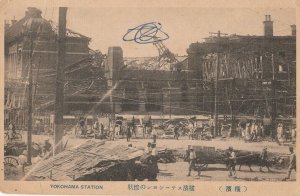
{"x":153,"y":163}
{"x":248,"y":132}
{"x":47,"y":148}
{"x":154,"y":135}
{"x":101,"y":130}
{"x":153,"y":149}
{"x":128,"y":133}
{"x":231,"y":162}
{"x":133,"y":126}
{"x":96,"y":128}
{"x":264,"y":159}
{"x":22,"y":160}
{"x":239,"y":130}
{"x":259,"y":131}
{"x":192,"y":160}
{"x":292,"y":165}
{"x":279,"y":132}
{"x":148,"y":148}
{"x":82,"y":126}
{"x":253,"y":131}
{"x":293,"y":134}
{"x":11,"y":131}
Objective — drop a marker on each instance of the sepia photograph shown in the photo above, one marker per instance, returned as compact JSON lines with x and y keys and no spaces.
{"x":149,"y":94}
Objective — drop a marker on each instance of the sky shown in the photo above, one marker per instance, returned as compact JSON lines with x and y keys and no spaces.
{"x":107,"y":26}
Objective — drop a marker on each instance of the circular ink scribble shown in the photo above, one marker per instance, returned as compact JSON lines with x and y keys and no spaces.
{"x":146,"y":33}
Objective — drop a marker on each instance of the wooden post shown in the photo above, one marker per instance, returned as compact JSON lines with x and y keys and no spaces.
{"x":216,"y":95}
{"x":59,"y":99}
{"x":29,"y":123}
{"x":274,"y":104}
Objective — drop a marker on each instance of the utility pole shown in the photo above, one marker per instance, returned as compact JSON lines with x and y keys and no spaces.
{"x":59,"y":99}
{"x":170,"y":106}
{"x":216,"y":87}
{"x":216,"y":97}
{"x":29,"y":123}
{"x":274,"y":107}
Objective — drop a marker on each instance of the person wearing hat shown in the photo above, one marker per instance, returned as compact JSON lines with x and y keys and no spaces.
{"x":231,"y":162}
{"x":264,"y":159}
{"x":153,"y":166}
{"x":192,"y":160}
{"x":128,"y":133}
{"x":148,"y":148}
{"x":292,"y":163}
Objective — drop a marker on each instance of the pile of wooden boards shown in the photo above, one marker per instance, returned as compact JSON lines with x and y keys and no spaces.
{"x":86,"y":162}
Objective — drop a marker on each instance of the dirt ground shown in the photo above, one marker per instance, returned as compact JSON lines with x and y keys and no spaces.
{"x":178,"y":171}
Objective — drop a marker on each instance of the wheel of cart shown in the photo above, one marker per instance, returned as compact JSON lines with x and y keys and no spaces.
{"x":11,"y":161}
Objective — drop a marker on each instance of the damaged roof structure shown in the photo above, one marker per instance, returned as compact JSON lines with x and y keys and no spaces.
{"x":93,"y":160}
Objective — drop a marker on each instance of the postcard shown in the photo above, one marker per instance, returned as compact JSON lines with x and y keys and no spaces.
{"x":149,"y":97}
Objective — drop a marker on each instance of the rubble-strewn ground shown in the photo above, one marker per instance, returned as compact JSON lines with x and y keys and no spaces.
{"x":178,"y":171}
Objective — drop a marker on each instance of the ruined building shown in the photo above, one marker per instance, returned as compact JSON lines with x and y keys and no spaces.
{"x":256,"y":74}
{"x":32,"y":40}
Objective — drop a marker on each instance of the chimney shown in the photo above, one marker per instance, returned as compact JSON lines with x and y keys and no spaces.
{"x":293,"y":28}
{"x":268,"y":26}
{"x":13,"y":21}
{"x":6,"y":25}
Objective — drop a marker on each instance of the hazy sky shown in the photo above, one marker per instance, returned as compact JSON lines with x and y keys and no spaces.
{"x":106,"y":26}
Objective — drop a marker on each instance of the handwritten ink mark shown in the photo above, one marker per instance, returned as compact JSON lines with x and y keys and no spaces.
{"x":146,"y":33}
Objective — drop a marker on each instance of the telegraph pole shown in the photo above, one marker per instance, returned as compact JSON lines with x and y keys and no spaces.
{"x":30,"y":84}
{"x":274,"y":109}
{"x":59,"y":99}
{"x":216,"y":87}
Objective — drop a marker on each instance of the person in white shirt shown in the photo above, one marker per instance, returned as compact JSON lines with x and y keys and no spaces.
{"x":153,"y":149}
{"x":148,"y":148}
{"x":231,"y":162}
{"x":279,"y":131}
{"x":154,"y":135}
{"x":192,"y":160}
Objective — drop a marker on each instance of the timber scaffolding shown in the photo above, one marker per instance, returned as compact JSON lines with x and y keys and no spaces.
{"x":93,"y":160}
{"x":249,"y":97}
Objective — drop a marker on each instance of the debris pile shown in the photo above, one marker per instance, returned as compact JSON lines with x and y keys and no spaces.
{"x":166,"y":156}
